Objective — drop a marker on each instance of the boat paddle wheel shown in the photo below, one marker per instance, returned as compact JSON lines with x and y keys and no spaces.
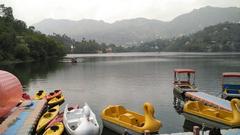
{"x":178,"y":105}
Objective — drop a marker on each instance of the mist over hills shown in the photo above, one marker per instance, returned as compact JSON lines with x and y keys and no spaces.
{"x":133,"y":31}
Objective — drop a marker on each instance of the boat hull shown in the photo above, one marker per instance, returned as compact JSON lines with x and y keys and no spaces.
{"x":179,"y":92}
{"x":229,"y":97}
{"x":208,"y":123}
{"x":119,"y":129}
{"x":53,"y":94}
{"x":76,"y":122}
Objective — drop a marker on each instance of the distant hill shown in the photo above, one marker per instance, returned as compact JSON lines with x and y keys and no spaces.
{"x":133,"y":31}
{"x":224,"y":37}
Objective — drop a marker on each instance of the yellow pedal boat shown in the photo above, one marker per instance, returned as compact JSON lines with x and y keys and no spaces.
{"x":40,"y":95}
{"x":56,"y":129}
{"x":47,"y":117}
{"x":119,"y":119}
{"x":56,"y":100}
{"x":213,"y":117}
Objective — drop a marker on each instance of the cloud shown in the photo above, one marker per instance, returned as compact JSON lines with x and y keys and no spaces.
{"x":33,"y":11}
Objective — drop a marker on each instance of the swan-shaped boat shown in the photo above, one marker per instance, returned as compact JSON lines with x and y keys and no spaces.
{"x":80,"y":121}
{"x":119,"y":119}
{"x":213,"y":117}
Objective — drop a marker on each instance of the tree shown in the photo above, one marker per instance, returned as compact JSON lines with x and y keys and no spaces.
{"x":6,"y":12}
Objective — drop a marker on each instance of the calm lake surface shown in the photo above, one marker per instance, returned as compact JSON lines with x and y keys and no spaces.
{"x":128,"y":79}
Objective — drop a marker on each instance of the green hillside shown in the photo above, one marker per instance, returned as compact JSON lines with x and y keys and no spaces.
{"x":224,"y":37}
{"x":21,"y":43}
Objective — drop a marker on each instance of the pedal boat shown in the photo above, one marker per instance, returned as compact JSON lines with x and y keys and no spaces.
{"x":119,"y":119}
{"x":80,"y":121}
{"x":184,"y":81}
{"x":40,"y":94}
{"x":230,"y":85}
{"x":51,"y":95}
{"x":46,"y":118}
{"x":56,"y":129}
{"x":56,"y":100}
{"x":212,"y":117}
{"x":58,"y":118}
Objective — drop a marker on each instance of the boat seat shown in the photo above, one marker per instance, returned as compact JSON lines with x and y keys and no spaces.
{"x":232,"y":91}
{"x":115,"y":111}
{"x":129,"y":118}
{"x":73,"y":121}
{"x":185,"y":87}
{"x":231,"y":86}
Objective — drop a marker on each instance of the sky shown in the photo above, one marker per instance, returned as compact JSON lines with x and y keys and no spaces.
{"x":34,"y":11}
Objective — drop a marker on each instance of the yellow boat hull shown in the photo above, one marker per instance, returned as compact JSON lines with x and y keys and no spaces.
{"x":40,"y":95}
{"x":196,"y":109}
{"x":56,"y":129}
{"x":56,"y":100}
{"x":117,"y":117}
{"x":47,"y":117}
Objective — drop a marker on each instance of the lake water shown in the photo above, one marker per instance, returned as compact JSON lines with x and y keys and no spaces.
{"x":128,"y":79}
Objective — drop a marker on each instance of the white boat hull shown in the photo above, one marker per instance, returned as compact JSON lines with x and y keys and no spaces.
{"x":77,"y":123}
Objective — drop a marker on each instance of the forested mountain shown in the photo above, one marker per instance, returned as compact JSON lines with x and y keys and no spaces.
{"x":17,"y":42}
{"x":86,"y":46}
{"x":134,"y":31}
{"x":223,"y":37}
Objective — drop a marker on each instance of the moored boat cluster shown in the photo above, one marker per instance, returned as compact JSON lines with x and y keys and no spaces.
{"x":77,"y":120}
{"x":202,"y":108}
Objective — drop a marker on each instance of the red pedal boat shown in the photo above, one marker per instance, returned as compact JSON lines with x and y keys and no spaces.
{"x":53,"y":94}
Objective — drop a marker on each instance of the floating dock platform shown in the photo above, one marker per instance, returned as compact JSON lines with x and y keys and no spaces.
{"x":23,"y":119}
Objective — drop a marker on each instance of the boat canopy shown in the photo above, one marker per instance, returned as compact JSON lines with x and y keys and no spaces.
{"x":10,"y":92}
{"x":231,"y":74}
{"x":184,"y":76}
{"x":184,"y":71}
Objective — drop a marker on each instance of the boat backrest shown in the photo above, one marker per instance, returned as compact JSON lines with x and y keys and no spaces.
{"x":121,"y":110}
{"x":195,"y":105}
{"x":115,"y":111}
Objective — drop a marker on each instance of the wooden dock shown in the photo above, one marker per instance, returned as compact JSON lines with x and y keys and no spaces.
{"x":23,"y":119}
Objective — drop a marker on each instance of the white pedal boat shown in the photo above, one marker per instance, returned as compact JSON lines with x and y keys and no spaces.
{"x":80,"y":121}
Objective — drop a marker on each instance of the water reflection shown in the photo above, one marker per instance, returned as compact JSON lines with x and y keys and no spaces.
{"x":26,"y":72}
{"x":107,"y":131}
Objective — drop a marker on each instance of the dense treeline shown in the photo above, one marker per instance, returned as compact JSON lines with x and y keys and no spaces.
{"x":17,"y":42}
{"x":86,"y":46}
{"x":223,"y":37}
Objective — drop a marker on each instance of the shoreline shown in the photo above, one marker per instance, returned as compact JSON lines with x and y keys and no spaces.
{"x":17,"y":61}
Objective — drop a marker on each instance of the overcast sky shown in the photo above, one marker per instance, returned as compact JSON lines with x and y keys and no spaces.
{"x":33,"y":11}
